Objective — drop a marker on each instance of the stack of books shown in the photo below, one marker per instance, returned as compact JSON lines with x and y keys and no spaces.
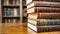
{"x":43,"y":15}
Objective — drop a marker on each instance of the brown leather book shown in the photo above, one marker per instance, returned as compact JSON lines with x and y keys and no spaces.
{"x":43,"y":4}
{"x":49,"y":15}
{"x":44,"y":28}
{"x":44,"y":16}
{"x":28,"y":1}
{"x":43,"y":9}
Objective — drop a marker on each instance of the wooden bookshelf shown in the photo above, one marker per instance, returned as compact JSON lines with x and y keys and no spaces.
{"x":10,"y":10}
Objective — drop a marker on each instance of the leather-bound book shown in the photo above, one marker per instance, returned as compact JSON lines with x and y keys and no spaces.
{"x":44,"y":16}
{"x":43,"y":9}
{"x":29,"y":1}
{"x":44,"y":28}
{"x":43,"y":4}
{"x":49,"y":15}
{"x":44,"y":22}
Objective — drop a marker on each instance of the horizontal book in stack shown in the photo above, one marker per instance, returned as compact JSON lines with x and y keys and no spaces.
{"x":43,"y":15}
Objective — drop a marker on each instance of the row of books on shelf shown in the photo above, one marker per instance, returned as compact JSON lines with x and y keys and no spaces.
{"x":11,"y":20}
{"x":11,"y":12}
{"x":13,"y":2}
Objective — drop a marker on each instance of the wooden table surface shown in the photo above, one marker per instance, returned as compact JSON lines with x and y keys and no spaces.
{"x":13,"y":28}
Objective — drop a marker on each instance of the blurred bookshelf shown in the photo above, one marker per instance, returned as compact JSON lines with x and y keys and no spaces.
{"x":10,"y":11}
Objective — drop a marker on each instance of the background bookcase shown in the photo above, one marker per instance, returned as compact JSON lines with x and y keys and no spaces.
{"x":11,"y":11}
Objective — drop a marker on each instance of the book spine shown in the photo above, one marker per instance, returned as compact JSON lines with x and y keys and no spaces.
{"x":15,"y":11}
{"x":47,"y":22}
{"x":10,"y":1}
{"x":14,"y":20}
{"x":48,"y":16}
{"x":4,"y":13}
{"x":7,"y":2}
{"x":48,"y":9}
{"x":48,"y":28}
{"x":13,"y":2}
{"x":18,"y":2}
{"x":9,"y":13}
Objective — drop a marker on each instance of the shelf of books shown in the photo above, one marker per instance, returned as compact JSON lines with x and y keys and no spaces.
{"x":10,"y":11}
{"x":43,"y":15}
{"x":11,"y":2}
